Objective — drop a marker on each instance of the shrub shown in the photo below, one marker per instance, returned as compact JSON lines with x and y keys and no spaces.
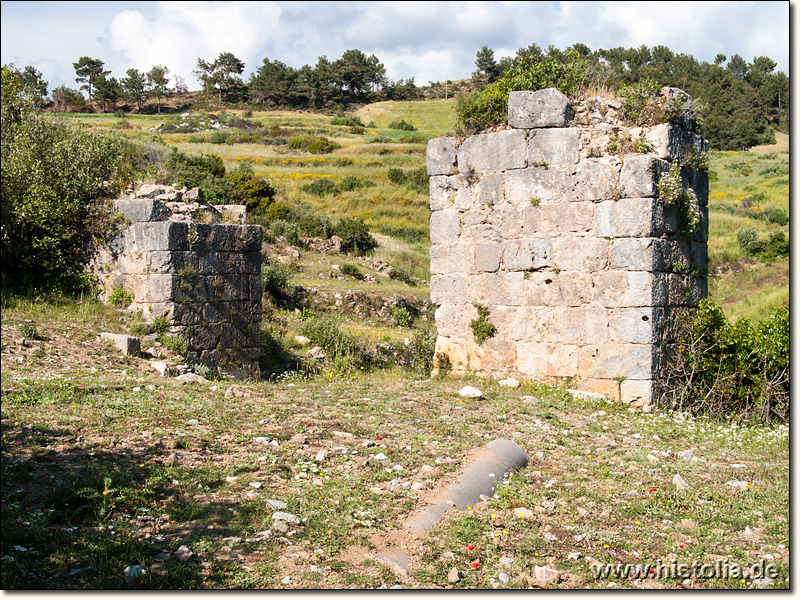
{"x":275,"y":281}
{"x":777,"y":245}
{"x":401,"y":274}
{"x":729,"y":370}
{"x":402,"y":125}
{"x":52,"y":194}
{"x":779,"y":216}
{"x":356,"y":237}
{"x":489,"y":107}
{"x":749,"y":242}
{"x":256,"y":193}
{"x":161,"y":325}
{"x":119,"y":297}
{"x":276,"y":211}
{"x":351,"y":271}
{"x":347,"y":121}
{"x":396,"y":176}
{"x":321,"y":187}
{"x":401,"y":315}
{"x":482,"y":329}
{"x":325,"y":332}
{"x":322,"y":146}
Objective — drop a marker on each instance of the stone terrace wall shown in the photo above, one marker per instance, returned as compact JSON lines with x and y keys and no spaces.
{"x":177,"y":258}
{"x":582,"y":268}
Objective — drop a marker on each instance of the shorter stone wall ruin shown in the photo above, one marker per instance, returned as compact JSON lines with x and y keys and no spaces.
{"x":555,"y":227}
{"x":196,"y":265}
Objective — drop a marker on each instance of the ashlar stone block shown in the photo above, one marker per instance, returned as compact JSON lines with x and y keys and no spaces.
{"x":542,"y":108}
{"x":493,"y":152}
{"x":445,"y":226}
{"x":441,"y":156}
{"x":640,"y":175}
{"x":554,"y":146}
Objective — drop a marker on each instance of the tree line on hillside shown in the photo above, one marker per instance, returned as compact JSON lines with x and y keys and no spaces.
{"x":738,"y":103}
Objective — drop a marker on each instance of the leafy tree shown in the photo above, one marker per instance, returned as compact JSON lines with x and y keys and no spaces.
{"x":274,"y":84}
{"x":204,"y":72}
{"x":107,"y":90}
{"x":357,"y":72}
{"x":134,"y":87}
{"x":33,"y":86}
{"x":51,"y":174}
{"x":66,"y":98}
{"x":158,"y":84}
{"x":488,"y":70}
{"x":88,"y":70}
{"x":226,"y":75}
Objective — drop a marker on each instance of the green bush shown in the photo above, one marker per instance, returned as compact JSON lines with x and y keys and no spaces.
{"x":356,"y":237}
{"x":351,"y":271}
{"x":489,"y":107}
{"x":325,"y":331}
{"x":161,"y":325}
{"x":120,"y":298}
{"x":729,"y":370}
{"x":322,"y":146}
{"x":256,"y":193}
{"x":275,"y":281}
{"x":347,"y":121}
{"x":779,"y":216}
{"x":324,"y":186}
{"x":402,"y":316}
{"x":402,"y":125}
{"x":52,"y":195}
{"x":777,"y":245}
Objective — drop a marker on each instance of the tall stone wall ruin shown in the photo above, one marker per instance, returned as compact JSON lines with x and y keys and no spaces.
{"x":197,"y":265}
{"x":555,"y":226}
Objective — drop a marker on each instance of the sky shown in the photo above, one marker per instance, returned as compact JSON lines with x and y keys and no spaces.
{"x":429,"y":41}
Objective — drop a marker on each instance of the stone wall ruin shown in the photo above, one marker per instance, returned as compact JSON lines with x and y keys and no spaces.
{"x":197,"y":265}
{"x":555,"y":226}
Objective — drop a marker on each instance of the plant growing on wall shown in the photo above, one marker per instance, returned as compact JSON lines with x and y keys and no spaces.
{"x":671,"y":191}
{"x":482,"y":329}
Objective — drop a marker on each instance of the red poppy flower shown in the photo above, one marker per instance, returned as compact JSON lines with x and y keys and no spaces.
{"x":476,"y":564}
{"x":470,"y":547}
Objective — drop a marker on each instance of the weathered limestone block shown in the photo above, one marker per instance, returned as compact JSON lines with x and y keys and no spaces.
{"x":487,"y":257}
{"x":543,"y":289}
{"x":552,"y":219}
{"x":584,"y":325}
{"x":650,"y":254}
{"x":497,"y":289}
{"x":554,"y":146}
{"x":636,"y":325}
{"x":606,"y":361}
{"x":638,"y":392}
{"x":163,"y":235}
{"x":445,"y":226}
{"x":493,"y":152}
{"x":640,"y":175}
{"x":542,"y":108}
{"x":674,"y":143}
{"x":128,"y":344}
{"x":441,"y":156}
{"x":490,"y":190}
{"x":508,"y":220}
{"x":142,"y":209}
{"x":527,"y":254}
{"x":635,"y":217}
{"x":450,"y":288}
{"x":482,"y":233}
{"x":513,"y":322}
{"x":443,"y":192}
{"x":576,"y":287}
{"x":596,"y":179}
{"x":453,"y":320}
{"x":581,"y":254}
{"x":452,"y":258}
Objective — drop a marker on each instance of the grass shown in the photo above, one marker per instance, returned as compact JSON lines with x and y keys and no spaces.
{"x":193,"y":466}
